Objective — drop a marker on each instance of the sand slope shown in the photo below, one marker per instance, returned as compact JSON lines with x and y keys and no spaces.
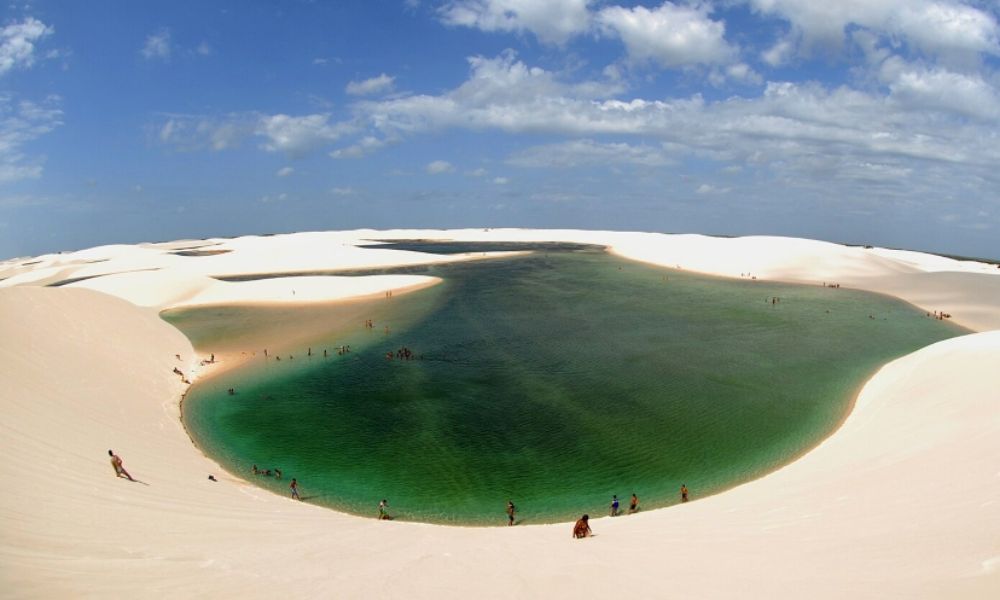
{"x":903,"y":501}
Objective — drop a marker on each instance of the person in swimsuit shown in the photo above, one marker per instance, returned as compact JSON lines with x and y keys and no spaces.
{"x":383,"y":506}
{"x":294,"y":486}
{"x":684,"y":493}
{"x":510,"y":513}
{"x":634,"y":505}
{"x":582,"y":528}
{"x":116,"y":462}
{"x":614,"y":505}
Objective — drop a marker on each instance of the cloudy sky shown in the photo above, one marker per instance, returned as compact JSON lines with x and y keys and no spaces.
{"x":858,"y":121}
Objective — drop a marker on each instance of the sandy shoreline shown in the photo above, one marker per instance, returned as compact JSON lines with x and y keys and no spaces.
{"x":901,"y":501}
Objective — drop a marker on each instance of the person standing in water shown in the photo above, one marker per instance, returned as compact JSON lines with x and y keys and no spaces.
{"x":684,"y":493}
{"x":614,"y":505}
{"x":294,"y":486}
{"x":634,"y":505}
{"x":383,"y":506}
{"x":510,"y":513}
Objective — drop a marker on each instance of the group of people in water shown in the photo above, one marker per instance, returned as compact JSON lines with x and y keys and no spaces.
{"x":276,"y":473}
{"x":266,"y":472}
{"x":402,"y":353}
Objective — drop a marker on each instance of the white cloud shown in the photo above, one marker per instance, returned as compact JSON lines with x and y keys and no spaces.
{"x":738,"y":73}
{"x":779,"y":54}
{"x":439,"y":166}
{"x":480,"y":172}
{"x":577,"y":153}
{"x":934,"y":26}
{"x":294,"y":135}
{"x":376,"y":85}
{"x":285,"y":171}
{"x":21,"y":123}
{"x":944,"y":27}
{"x":818,"y":139}
{"x":500,"y":180}
{"x":500,"y":92}
{"x":157,"y":45}
{"x":551,"y":21}
{"x":706,"y":188}
{"x":168,"y":131}
{"x":17,"y":43}
{"x":268,"y":198}
{"x":204,"y":49}
{"x":343,"y":191}
{"x":917,"y":88}
{"x":673,"y":35}
{"x":742,"y":72}
{"x":361,"y":148}
{"x":299,"y":135}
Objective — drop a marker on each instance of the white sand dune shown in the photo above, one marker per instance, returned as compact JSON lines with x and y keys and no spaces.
{"x":903,"y":501}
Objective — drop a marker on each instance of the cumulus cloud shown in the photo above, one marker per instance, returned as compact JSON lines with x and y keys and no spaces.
{"x":157,"y":46}
{"x":299,"y":135}
{"x":586,"y":152}
{"x":940,"y":27}
{"x":738,"y":73}
{"x":779,"y":54}
{"x":936,"y":89}
{"x":268,"y":198}
{"x":17,"y":43}
{"x":439,"y":166}
{"x":22,"y":122}
{"x":190,"y":132}
{"x":376,"y":85}
{"x":707,"y":188}
{"x":801,"y":134}
{"x":285,"y":171}
{"x":501,"y":180}
{"x":294,"y":135}
{"x":501,"y":92}
{"x":551,"y":21}
{"x":673,"y":35}
{"x":363,"y":147}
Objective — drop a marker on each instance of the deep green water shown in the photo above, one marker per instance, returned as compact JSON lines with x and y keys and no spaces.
{"x":556,"y":380}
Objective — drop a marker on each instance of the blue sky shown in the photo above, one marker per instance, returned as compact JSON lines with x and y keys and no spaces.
{"x":857,"y":121}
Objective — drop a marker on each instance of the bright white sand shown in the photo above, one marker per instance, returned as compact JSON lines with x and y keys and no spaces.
{"x":902,"y":501}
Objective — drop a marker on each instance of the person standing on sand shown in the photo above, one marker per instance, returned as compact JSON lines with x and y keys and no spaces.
{"x":510,"y":513}
{"x":614,"y":505}
{"x":684,"y":493}
{"x":116,"y":462}
{"x":582,"y":528}
{"x":294,"y":486}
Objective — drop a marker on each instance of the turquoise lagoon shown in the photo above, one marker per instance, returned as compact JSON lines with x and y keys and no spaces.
{"x":554,"y":379}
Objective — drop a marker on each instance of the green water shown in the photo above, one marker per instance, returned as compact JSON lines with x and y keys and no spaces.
{"x":555,"y":379}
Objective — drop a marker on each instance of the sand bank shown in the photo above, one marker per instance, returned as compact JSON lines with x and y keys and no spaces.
{"x":904,"y":500}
